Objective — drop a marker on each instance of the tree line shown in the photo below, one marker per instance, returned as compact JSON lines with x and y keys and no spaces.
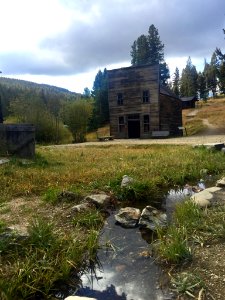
{"x":58,"y":115}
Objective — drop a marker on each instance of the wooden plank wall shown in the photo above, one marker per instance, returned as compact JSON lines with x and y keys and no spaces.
{"x":170,"y":114}
{"x":131,"y":82}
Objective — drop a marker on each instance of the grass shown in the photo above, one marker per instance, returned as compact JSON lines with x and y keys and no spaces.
{"x":88,"y":219}
{"x":212,"y":109}
{"x":57,"y":245}
{"x":101,"y":168}
{"x":190,"y":228}
{"x":172,"y":246}
{"x":34,"y":266}
{"x":187,"y":283}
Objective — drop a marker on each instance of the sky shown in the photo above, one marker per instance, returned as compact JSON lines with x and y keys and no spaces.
{"x":66,"y":42}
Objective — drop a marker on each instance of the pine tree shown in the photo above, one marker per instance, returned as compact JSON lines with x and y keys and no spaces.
{"x":222,"y":77}
{"x":156,"y":48}
{"x":202,"y":88}
{"x":176,"y":83}
{"x":188,"y":82}
{"x":148,"y":49}
{"x":211,"y":73}
{"x":100,"y":95}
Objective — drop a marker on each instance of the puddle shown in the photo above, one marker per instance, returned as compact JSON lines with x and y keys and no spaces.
{"x":127,"y":271}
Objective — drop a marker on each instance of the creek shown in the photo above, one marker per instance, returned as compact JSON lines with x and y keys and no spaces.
{"x":125,"y":268}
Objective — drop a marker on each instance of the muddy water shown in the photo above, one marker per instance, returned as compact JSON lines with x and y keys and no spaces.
{"x":127,"y":272}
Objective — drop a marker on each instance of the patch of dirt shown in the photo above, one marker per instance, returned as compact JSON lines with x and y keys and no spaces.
{"x":211,"y":129}
{"x":19,"y":212}
{"x":209,"y":263}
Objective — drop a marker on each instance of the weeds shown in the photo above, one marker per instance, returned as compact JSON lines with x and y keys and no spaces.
{"x":172,"y":245}
{"x":189,"y":215}
{"x":51,"y":195}
{"x":187,"y":284}
{"x":44,"y":258}
{"x":91,"y":219}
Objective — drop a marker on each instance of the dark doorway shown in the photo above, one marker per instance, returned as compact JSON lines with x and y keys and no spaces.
{"x":133,"y":126}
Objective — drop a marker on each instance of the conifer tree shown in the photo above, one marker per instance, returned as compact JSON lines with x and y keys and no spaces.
{"x":188,"y":82}
{"x":202,"y":87}
{"x":176,"y":83}
{"x":100,"y":95}
{"x":148,"y":49}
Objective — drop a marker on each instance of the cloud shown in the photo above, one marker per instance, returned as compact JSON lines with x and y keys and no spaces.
{"x":191,"y":28}
{"x":101,"y":33}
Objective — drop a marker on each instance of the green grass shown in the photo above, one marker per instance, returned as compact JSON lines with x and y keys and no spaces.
{"x":172,"y":246}
{"x":91,"y":219}
{"x":186,"y":283}
{"x":36,"y":265}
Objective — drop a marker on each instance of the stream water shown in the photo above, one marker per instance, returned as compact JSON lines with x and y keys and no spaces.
{"x":126,"y":270}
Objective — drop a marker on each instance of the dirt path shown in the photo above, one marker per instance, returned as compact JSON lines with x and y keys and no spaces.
{"x":186,"y":140}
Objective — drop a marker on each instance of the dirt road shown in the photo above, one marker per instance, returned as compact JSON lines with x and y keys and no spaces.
{"x":186,"y":140}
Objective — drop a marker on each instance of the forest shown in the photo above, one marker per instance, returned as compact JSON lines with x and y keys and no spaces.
{"x":62,"y":116}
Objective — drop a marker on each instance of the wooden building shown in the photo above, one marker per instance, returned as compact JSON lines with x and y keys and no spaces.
{"x":188,"y":102}
{"x":139,"y":107}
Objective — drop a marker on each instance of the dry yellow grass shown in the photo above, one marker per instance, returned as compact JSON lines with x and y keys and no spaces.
{"x":213,"y":111}
{"x":103,"y":131}
{"x":99,"y":167}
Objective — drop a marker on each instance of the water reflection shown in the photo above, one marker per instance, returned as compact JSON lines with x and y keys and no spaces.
{"x":175,"y":196}
{"x":108,"y":294}
{"x":126,"y":271}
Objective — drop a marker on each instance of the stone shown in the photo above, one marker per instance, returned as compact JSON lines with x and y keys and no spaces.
{"x":82,"y":207}
{"x":69,"y":196}
{"x":99,"y":200}
{"x":128,"y":217}
{"x":152,"y":218}
{"x":205,"y":197}
{"x":211,"y":146}
{"x":215,"y":146}
{"x":79,"y":298}
{"x":221,"y":182}
{"x":126,"y":181}
{"x":3,"y":161}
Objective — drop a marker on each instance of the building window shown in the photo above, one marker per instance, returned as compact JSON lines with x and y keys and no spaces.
{"x":120,"y":99}
{"x":146,"y":123}
{"x":145,"y":96}
{"x":121,"y":124}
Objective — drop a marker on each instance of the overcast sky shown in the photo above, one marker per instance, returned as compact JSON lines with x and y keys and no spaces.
{"x":65,"y":42}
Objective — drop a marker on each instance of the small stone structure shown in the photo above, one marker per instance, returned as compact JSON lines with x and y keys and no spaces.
{"x":17,"y":139}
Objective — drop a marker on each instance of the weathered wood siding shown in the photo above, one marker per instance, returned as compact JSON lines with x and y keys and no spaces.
{"x":170,"y":114}
{"x":131,"y":82}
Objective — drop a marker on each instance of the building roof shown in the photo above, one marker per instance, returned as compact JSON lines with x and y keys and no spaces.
{"x":167,"y":91}
{"x":188,"y":98}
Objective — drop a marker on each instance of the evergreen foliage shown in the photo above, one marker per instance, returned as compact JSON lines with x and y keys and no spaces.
{"x":176,"y":83}
{"x":211,"y":73}
{"x":148,"y":49}
{"x":203,"y":91}
{"x":189,"y":76}
{"x":101,"y":106}
{"x":202,"y":87}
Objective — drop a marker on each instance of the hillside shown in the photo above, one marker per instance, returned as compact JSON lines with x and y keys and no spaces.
{"x":206,"y":119}
{"x":11,"y":89}
{"x":23,"y":84}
